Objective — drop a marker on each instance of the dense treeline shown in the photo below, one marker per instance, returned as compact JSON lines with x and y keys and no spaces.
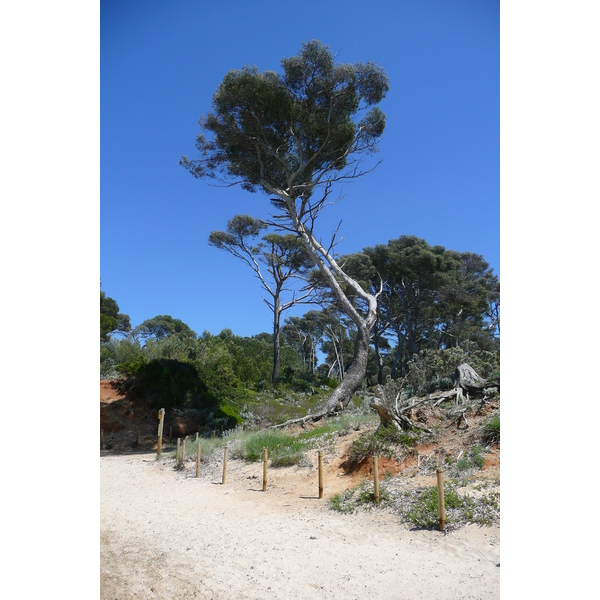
{"x":437,"y":308}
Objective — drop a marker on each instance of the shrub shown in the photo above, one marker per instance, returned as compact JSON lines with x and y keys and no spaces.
{"x":424,"y":511}
{"x":491,"y":430}
{"x":382,"y":442}
{"x":473,"y":459}
{"x":431,"y":368}
{"x":362,"y":496}
{"x":168,"y":383}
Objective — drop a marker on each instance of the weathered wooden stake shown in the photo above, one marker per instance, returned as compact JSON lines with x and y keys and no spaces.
{"x":198,"y":462}
{"x":102,"y":439}
{"x":225,"y":465}
{"x":161,"y":420}
{"x":183,"y":448}
{"x":213,"y":434}
{"x":376,"y":479}
{"x":177,"y":453}
{"x":440,"y":486}
{"x":197,"y":432}
{"x":264,"y":469}
{"x":320,"y":474}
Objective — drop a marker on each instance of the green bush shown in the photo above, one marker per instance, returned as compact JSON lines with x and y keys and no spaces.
{"x":431,"y":368}
{"x":362,"y":496}
{"x":473,"y":459}
{"x":491,"y":430}
{"x":287,"y":458}
{"x":382,"y":442}
{"x":424,"y":511}
{"x":168,"y":383}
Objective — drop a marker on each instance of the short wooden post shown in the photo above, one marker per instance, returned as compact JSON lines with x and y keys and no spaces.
{"x":198,"y":462}
{"x":161,"y":420}
{"x":376,"y":479}
{"x":102,"y":439}
{"x":440,"y":486}
{"x":264,"y":469}
{"x":320,"y":474}
{"x":177,"y":453}
{"x":197,"y":432}
{"x":225,"y":465}
{"x":213,"y":434}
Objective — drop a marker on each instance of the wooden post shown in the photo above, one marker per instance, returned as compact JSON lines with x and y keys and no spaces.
{"x":161,"y":420}
{"x":197,"y":432}
{"x":213,"y":434}
{"x":320,"y":474}
{"x":264,"y":469}
{"x":183,"y":448}
{"x":225,"y":465}
{"x":376,"y":479}
{"x":177,"y":453}
{"x":198,"y":462}
{"x":440,"y":485}
{"x":102,"y":439}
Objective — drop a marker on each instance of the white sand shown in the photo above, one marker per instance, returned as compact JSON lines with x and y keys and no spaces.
{"x":166,"y":534}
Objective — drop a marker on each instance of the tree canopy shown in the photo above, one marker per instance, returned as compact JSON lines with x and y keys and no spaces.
{"x":289,"y":132}
{"x":111,"y":319}
{"x":164,"y":325}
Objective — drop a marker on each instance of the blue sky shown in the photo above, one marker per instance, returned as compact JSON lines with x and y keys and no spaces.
{"x":160,"y":64}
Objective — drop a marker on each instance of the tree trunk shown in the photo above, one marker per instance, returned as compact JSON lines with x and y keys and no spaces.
{"x":276,"y":342}
{"x":466,"y":378}
{"x":379,"y":359}
{"x":398,"y":353}
{"x":342,"y":394}
{"x":329,"y":268}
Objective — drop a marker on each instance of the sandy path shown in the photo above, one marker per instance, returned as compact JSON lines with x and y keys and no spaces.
{"x":166,"y":534}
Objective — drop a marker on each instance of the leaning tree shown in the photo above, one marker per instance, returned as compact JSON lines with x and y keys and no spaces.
{"x":294,"y":135}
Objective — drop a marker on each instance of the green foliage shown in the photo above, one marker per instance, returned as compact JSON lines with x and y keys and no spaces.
{"x":287,"y":449}
{"x":164,"y":325}
{"x":431,"y":368}
{"x":491,"y":431}
{"x":247,"y":136}
{"x":228,"y":412}
{"x":287,"y":458}
{"x":362,"y":496}
{"x":458,"y":509}
{"x":473,"y":459}
{"x":342,"y":502}
{"x":383,"y":442}
{"x":283,"y":449}
{"x":167,"y":384}
{"x":369,"y":445}
{"x":110,"y":318}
